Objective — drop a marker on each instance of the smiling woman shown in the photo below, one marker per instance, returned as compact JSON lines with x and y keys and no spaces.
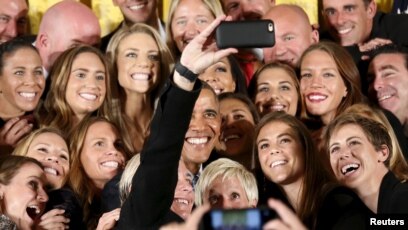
{"x":80,"y":87}
{"x":22,"y":192}
{"x":141,"y":63}
{"x":98,"y":154}
{"x":21,"y":86}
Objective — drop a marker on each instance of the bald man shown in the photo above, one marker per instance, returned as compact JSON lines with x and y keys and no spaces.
{"x":293,"y":34}
{"x":13,"y":19}
{"x":64,"y":25}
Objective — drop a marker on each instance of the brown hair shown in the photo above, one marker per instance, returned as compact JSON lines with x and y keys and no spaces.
{"x":318,"y":178}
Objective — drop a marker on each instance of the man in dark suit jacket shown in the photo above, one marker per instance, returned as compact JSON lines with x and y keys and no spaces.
{"x":136,"y":12}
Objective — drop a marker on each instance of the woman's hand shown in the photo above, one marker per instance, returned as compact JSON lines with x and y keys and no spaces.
{"x":53,"y":219}
{"x":287,"y":218}
{"x":108,"y":220}
{"x":192,"y":221}
{"x":13,"y":131}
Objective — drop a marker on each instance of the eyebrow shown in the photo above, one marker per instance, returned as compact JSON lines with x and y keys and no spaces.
{"x":211,"y":110}
{"x":385,"y":67}
{"x":279,"y":136}
{"x":347,"y":140}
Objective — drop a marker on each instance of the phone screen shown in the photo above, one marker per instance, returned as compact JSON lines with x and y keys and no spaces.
{"x":245,"y":219}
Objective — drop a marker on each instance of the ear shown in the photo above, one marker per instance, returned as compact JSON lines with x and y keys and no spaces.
{"x":371,"y":9}
{"x":315,"y":36}
{"x":345,"y":93}
{"x":253,"y":203}
{"x":383,"y":153}
{"x":42,"y":41}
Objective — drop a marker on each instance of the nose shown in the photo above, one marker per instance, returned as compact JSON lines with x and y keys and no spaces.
{"x":281,"y":50}
{"x":42,"y":195}
{"x":248,"y":11}
{"x":192,"y":29}
{"x":197,"y":123}
{"x":378,"y":83}
{"x":144,"y":61}
{"x":227,"y":204}
{"x":340,"y":18}
{"x":345,"y":153}
{"x":11,"y":29}
{"x":316,"y":81}
{"x":51,"y":157}
{"x":275,"y":151}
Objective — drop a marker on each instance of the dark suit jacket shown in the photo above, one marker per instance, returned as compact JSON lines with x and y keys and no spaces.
{"x":153,"y":185}
{"x":393,"y":196}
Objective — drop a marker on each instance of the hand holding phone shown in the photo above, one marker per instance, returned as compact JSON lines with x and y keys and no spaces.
{"x":245,"y":34}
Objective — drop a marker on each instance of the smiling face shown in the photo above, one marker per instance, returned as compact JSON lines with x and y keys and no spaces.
{"x":280,"y":153}
{"x":349,"y":21}
{"x":24,"y":197}
{"x":276,"y":91}
{"x":227,"y":193}
{"x":100,"y":157}
{"x":138,"y":63}
{"x":86,"y":87}
{"x":390,"y":83}
{"x":184,"y":194}
{"x":219,"y":77}
{"x":189,"y":19}
{"x":293,"y":35}
{"x":321,"y":85}
{"x":52,"y":151}
{"x":13,"y":19}
{"x":237,"y":127}
{"x":353,"y":158}
{"x":21,"y":82}
{"x":138,"y":11}
{"x":203,"y":130}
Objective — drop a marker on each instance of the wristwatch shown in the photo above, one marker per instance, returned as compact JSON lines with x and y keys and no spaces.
{"x":185,"y":72}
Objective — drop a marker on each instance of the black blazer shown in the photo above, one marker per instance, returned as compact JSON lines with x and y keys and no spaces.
{"x":154,"y":183}
{"x":393,"y":196}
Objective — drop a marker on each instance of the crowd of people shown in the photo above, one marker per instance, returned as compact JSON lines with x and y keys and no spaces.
{"x":152,"y":125}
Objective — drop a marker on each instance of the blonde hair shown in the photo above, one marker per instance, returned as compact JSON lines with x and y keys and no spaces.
{"x":125,"y":183}
{"x":226,"y":168}
{"x":214,"y":6}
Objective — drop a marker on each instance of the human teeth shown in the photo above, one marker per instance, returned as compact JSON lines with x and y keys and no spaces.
{"x":111,"y":164}
{"x":230,"y":137}
{"x":136,"y":7}
{"x":349,"y":168}
{"x":217,"y":91}
{"x":277,"y":163}
{"x":27,"y":95}
{"x":51,"y":171}
{"x":278,"y":107}
{"x":140,"y":76}
{"x":384,"y":97}
{"x":36,"y":208}
{"x":88,"y":96}
{"x":317,"y":97}
{"x":344,"y":31}
{"x":197,"y":140}
{"x":182,"y":201}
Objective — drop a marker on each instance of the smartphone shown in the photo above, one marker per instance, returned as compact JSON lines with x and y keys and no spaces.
{"x":245,"y":34}
{"x":250,"y":219}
